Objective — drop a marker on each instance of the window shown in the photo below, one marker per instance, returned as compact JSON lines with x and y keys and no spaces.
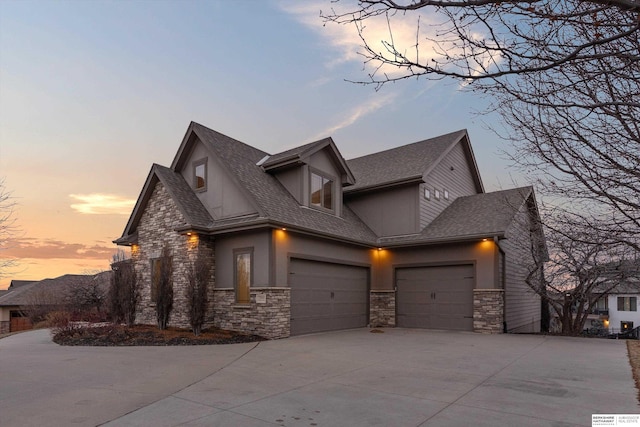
{"x":321,"y":191}
{"x":243,"y":273}
{"x":200,"y":174}
{"x":445,"y":194}
{"x":427,"y":194}
{"x":436,"y":194}
{"x":627,"y":304}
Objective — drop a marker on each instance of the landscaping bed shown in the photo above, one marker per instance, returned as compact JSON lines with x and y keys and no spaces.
{"x":145,"y":335}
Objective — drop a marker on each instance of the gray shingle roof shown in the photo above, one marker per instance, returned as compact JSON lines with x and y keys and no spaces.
{"x":55,"y":288}
{"x":401,"y":163}
{"x":194,"y":212}
{"x":481,"y":215}
{"x":294,"y":153}
{"x":274,"y":202}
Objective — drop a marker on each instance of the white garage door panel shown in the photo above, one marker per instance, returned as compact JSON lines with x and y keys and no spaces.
{"x":327,"y":296}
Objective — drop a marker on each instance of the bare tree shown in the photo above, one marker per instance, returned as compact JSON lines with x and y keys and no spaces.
{"x":163,"y":281}
{"x":198,"y":275}
{"x":581,"y":268}
{"x":124,"y":290}
{"x":564,"y":75}
{"x":8,"y":227}
{"x":86,"y":300}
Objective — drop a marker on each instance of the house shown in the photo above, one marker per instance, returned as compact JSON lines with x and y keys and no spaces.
{"x":304,"y":240}
{"x":25,"y":295}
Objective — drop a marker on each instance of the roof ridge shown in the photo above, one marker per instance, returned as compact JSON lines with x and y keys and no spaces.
{"x":408,"y":145}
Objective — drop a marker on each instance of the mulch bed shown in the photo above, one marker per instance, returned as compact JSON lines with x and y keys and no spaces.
{"x":146,"y":335}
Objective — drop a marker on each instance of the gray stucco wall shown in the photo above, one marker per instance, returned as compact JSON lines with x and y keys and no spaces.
{"x":224,"y":247}
{"x":223,"y":197}
{"x":482,"y":254}
{"x":388,"y":213}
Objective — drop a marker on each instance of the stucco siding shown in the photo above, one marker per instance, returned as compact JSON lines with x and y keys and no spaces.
{"x":222,"y":198}
{"x":390,"y":212}
{"x":453,"y":174}
{"x":224,"y":247}
{"x":522,"y":304}
{"x":481,"y":254}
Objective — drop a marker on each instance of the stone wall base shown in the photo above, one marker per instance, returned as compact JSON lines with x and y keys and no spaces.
{"x":268,"y":314}
{"x":5,"y":327}
{"x":488,"y":311}
{"x":382,"y":308}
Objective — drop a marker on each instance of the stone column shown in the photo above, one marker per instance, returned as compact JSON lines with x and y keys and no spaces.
{"x":488,"y":311}
{"x":382,"y":308}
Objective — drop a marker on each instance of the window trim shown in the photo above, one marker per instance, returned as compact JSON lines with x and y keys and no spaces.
{"x":427,"y":194}
{"x":445,"y":194}
{"x":323,"y":176}
{"x":195,"y":164}
{"x":236,"y":253}
{"x":622,"y":303}
{"x":436,"y":194}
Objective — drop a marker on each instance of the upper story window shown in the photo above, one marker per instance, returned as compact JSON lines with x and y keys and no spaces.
{"x":627,"y":304}
{"x":200,"y":174}
{"x":321,"y":191}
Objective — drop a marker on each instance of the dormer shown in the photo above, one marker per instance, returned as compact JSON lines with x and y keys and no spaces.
{"x":314,"y":174}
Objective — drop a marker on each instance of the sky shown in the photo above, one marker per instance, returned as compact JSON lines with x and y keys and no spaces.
{"x":92,"y":93}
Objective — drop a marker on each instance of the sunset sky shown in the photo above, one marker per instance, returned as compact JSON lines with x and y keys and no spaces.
{"x":93,"y":92}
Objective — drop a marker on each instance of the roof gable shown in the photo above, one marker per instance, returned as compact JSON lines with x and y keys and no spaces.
{"x":408,"y":163}
{"x":194,"y":213}
{"x":300,"y":155}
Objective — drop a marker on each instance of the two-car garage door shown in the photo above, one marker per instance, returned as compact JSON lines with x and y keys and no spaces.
{"x":327,"y":296}
{"x":435,"y":297}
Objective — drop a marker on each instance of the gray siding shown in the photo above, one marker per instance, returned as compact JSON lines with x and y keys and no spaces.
{"x":223,"y":198}
{"x":459,"y":182}
{"x":522,"y":305}
{"x":388,"y":212}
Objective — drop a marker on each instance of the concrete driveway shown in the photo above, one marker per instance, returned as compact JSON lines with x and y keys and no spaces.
{"x":401,"y":377}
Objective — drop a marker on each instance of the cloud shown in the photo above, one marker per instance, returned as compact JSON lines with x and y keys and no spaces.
{"x":376,"y":102}
{"x":400,"y":29}
{"x":102,"y":204}
{"x":55,"y":249}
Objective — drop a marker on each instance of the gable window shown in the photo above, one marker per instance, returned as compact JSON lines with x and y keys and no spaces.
{"x":200,"y":175}
{"x":436,"y":194}
{"x":243,"y":271}
{"x":427,"y":194}
{"x":627,"y":304}
{"x":445,"y":194}
{"x":321,"y":191}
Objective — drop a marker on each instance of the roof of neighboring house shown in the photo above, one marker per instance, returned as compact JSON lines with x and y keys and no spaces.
{"x":50,"y":288}
{"x":17,"y":283}
{"x":476,"y":216}
{"x":407,"y":163}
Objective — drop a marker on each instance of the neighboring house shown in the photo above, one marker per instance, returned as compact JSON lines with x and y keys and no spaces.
{"x":305,"y":241}
{"x":23,"y":295}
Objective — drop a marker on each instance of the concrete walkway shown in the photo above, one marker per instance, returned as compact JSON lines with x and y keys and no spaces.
{"x":401,"y":377}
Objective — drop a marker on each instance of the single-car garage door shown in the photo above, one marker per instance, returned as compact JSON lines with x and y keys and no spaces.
{"x":437,"y":297}
{"x":327,"y":296}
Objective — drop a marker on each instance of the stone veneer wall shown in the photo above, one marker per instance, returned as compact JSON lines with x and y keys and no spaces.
{"x":155,"y":231}
{"x":488,"y":311}
{"x":382,"y":308}
{"x":5,"y":327}
{"x":268,"y":314}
